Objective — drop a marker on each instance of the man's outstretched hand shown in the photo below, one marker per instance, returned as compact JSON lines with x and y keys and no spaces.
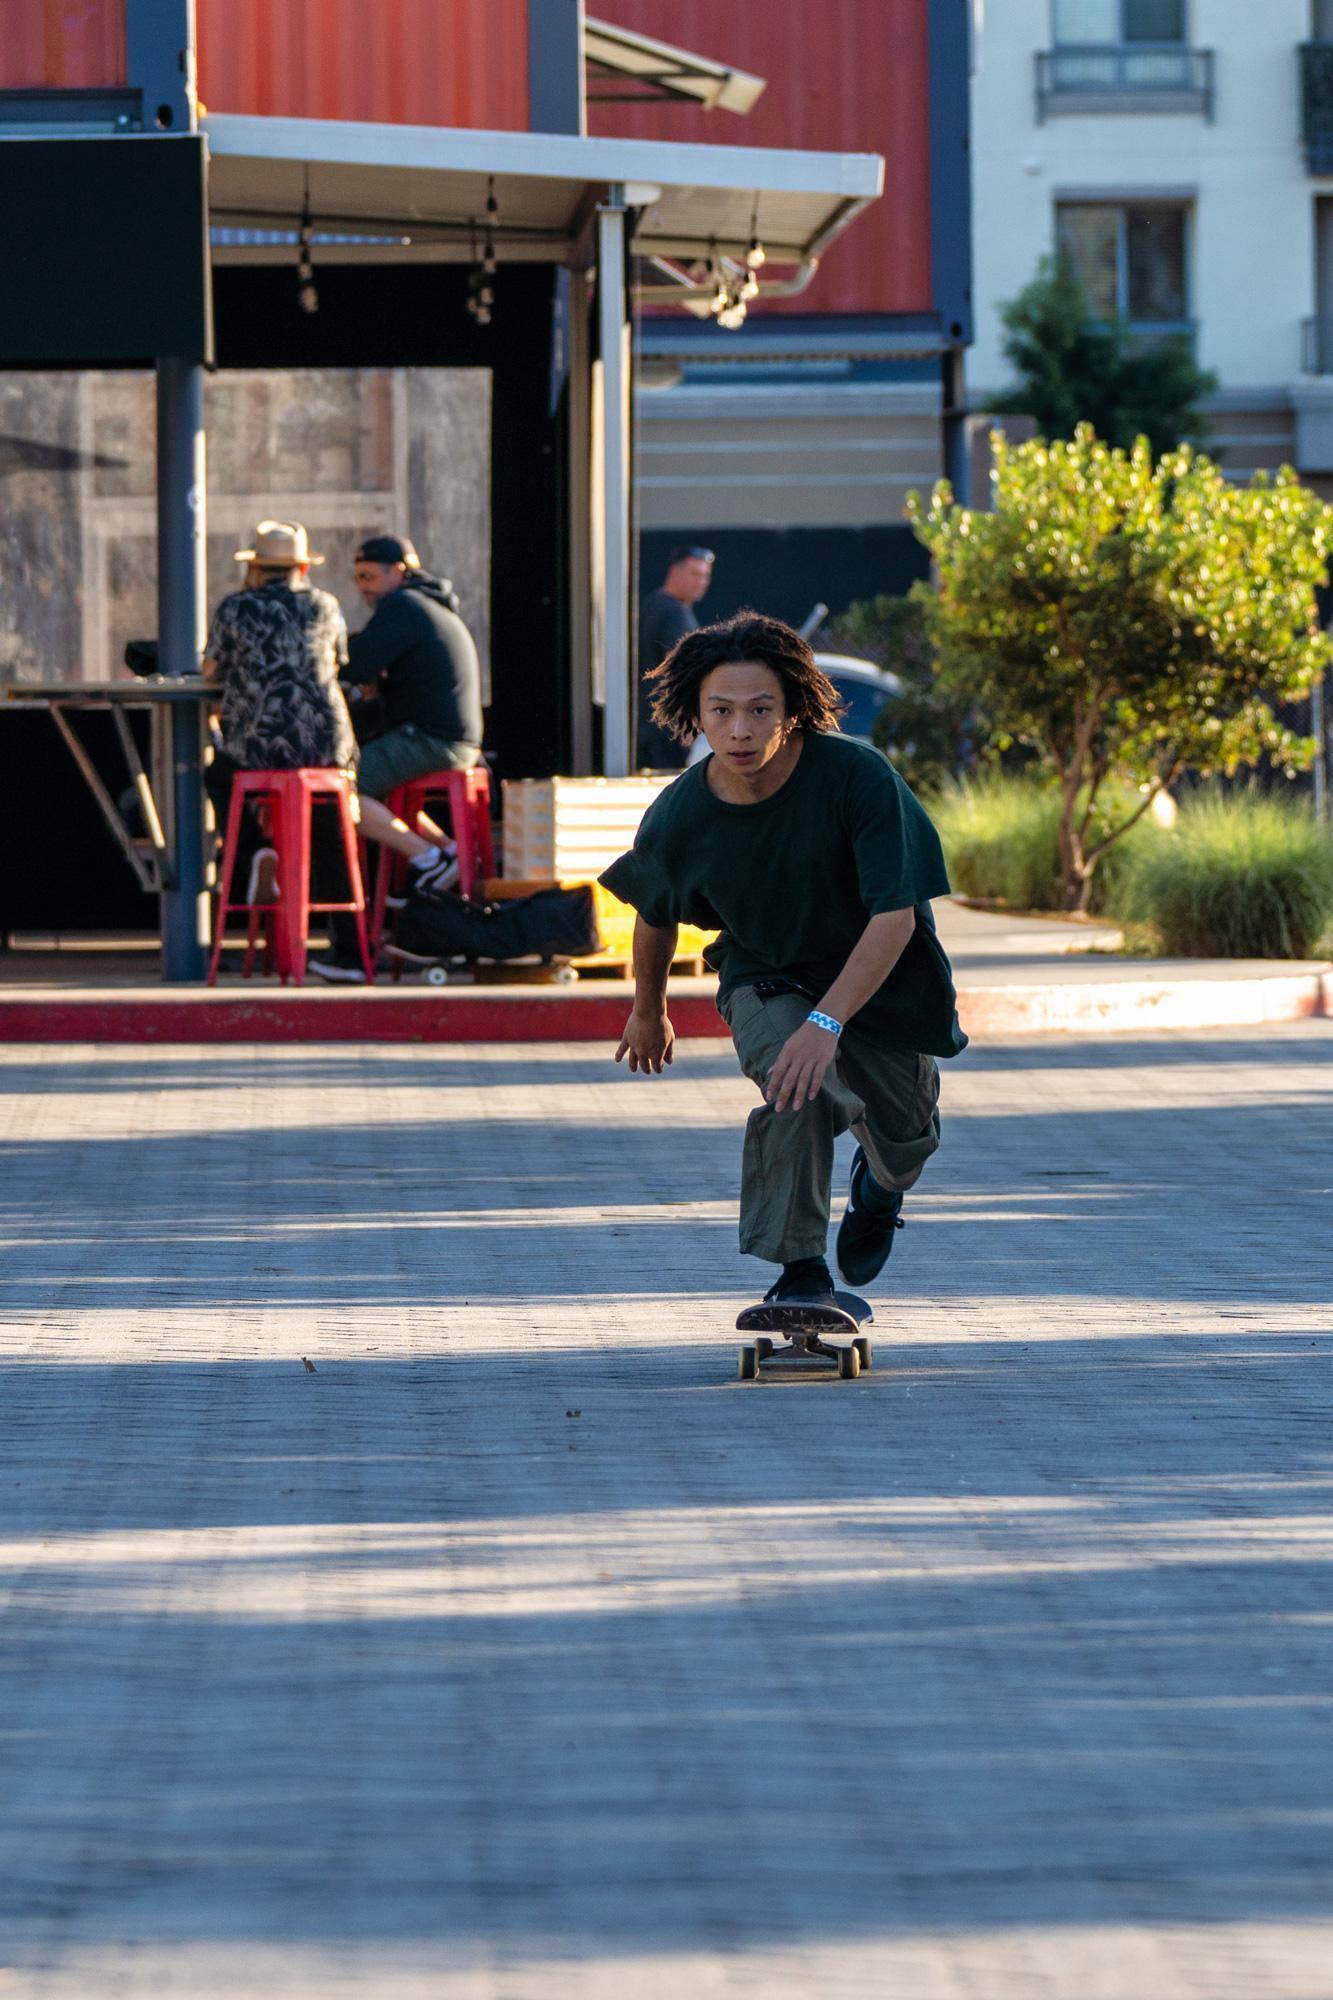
{"x":648,"y":1041}
{"x":801,"y":1067}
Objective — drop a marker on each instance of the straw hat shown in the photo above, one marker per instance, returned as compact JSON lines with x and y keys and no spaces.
{"x":279,"y":545}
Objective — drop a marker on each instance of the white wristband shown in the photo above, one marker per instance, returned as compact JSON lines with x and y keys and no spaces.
{"x":825,"y":1021}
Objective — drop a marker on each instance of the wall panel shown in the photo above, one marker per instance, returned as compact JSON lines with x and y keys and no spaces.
{"x":62,"y":44}
{"x":843,"y":76}
{"x":418,"y":62}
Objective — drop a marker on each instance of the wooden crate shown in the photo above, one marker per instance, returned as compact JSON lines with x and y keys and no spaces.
{"x":570,"y":829}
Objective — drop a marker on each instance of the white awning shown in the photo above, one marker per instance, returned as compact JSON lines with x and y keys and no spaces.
{"x":429,"y":184}
{"x":617,"y":56}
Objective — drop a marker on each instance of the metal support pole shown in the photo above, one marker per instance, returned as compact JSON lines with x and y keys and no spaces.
{"x":618,"y":759}
{"x":578,"y":488}
{"x":953,"y":416}
{"x":180,"y":630}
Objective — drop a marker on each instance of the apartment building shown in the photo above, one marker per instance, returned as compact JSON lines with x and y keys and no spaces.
{"x":1181,"y":151}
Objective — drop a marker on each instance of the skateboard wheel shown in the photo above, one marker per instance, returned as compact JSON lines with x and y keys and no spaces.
{"x":865,"y":1349}
{"x":747,"y":1364}
{"x":849,"y":1363}
{"x":566,"y":975}
{"x":763,"y":1347}
{"x":437,"y":976}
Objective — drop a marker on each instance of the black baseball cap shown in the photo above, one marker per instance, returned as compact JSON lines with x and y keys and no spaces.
{"x":388,"y":549}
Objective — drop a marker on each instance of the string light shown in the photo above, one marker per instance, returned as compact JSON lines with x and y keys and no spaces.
{"x":730,"y":300}
{"x":307,"y":296}
{"x":481,"y":278}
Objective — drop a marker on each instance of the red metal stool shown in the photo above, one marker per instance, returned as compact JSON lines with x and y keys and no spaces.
{"x":288,"y":799}
{"x":468,"y":794}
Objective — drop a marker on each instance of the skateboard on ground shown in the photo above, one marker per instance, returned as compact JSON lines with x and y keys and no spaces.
{"x":818,"y":1334}
{"x":473,"y":972}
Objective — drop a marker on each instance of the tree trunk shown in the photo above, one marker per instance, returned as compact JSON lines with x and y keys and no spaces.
{"x":1075,"y":875}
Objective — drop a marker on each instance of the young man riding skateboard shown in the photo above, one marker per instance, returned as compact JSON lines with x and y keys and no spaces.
{"x":813,"y":859}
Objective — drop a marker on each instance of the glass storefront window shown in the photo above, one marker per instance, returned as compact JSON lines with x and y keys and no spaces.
{"x":350,"y":452}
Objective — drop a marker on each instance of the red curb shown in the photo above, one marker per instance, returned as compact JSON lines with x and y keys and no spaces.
{"x":577,"y":1015}
{"x":367,"y":1017}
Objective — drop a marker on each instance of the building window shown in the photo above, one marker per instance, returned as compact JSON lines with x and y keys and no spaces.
{"x":1123,"y":55}
{"x":1131,"y":259}
{"x":1102,"y":21}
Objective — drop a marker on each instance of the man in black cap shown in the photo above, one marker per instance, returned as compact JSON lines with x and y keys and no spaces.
{"x":414,"y":665}
{"x":665,"y":616}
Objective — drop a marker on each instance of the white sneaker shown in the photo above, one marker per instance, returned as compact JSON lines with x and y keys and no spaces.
{"x":337,"y":971}
{"x":263,"y":884}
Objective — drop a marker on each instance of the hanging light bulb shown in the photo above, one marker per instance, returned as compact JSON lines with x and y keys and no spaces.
{"x":756,"y":256}
{"x":750,"y":288}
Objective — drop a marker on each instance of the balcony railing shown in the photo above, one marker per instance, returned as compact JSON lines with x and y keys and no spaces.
{"x":1124,"y":76}
{"x":1317,"y":346}
{"x":1317,"y":106}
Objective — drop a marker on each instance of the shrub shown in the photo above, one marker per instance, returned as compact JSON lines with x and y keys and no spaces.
{"x":1129,"y":621}
{"x":1001,"y":838}
{"x":927,"y":731}
{"x":1241,"y":876}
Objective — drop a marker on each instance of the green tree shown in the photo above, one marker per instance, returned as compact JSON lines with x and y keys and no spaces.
{"x":1128,"y":620}
{"x":926,"y":731}
{"x":1072,"y":369}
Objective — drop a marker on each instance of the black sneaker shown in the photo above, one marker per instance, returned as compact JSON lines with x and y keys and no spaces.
{"x":808,"y":1280}
{"x":865,"y":1235}
{"x":435,"y":878}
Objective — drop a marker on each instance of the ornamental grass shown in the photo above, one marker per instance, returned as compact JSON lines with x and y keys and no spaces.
{"x":1001,"y":835}
{"x":1243,"y":875}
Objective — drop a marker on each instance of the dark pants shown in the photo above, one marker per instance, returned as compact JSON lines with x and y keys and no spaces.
{"x":889,"y":1098}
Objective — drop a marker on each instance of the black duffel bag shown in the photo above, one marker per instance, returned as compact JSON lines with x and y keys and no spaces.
{"x":553,"y":923}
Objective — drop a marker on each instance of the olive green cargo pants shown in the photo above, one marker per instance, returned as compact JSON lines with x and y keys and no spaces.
{"x":888,"y":1097}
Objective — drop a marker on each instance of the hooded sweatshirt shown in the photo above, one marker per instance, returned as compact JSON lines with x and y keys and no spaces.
{"x":421,"y":654}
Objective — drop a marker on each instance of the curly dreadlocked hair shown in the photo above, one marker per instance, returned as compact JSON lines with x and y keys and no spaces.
{"x":810,"y":698}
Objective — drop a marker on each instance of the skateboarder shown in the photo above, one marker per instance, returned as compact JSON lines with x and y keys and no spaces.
{"x":816,"y":863}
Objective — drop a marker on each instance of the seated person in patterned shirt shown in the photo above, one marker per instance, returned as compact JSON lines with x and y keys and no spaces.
{"x":275,"y":651}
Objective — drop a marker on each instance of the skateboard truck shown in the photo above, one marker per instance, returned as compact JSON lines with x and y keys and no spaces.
{"x":821,"y":1335}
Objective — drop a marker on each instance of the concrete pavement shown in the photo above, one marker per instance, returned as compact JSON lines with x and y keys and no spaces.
{"x":514,"y":1650}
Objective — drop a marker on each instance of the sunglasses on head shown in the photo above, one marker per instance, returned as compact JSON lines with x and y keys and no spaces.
{"x":692,"y":555}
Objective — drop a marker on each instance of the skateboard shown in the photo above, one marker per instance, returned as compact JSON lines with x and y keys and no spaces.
{"x":818,"y":1335}
{"x":471,"y":971}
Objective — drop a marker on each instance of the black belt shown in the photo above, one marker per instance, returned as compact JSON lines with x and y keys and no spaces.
{"x":769,"y":989}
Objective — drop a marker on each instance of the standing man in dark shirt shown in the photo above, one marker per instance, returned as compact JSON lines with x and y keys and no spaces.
{"x":665,"y":616}
{"x":813,"y":859}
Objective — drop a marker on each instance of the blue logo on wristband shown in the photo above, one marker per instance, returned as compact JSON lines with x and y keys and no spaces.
{"x":824,"y":1021}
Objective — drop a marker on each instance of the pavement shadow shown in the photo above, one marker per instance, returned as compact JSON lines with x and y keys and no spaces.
{"x":529,"y":1653}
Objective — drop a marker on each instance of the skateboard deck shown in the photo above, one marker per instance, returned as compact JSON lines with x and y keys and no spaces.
{"x":818,"y":1333}
{"x":472,"y":972}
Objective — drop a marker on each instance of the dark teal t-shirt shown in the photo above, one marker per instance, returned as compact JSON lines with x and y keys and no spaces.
{"x":791,"y":882}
